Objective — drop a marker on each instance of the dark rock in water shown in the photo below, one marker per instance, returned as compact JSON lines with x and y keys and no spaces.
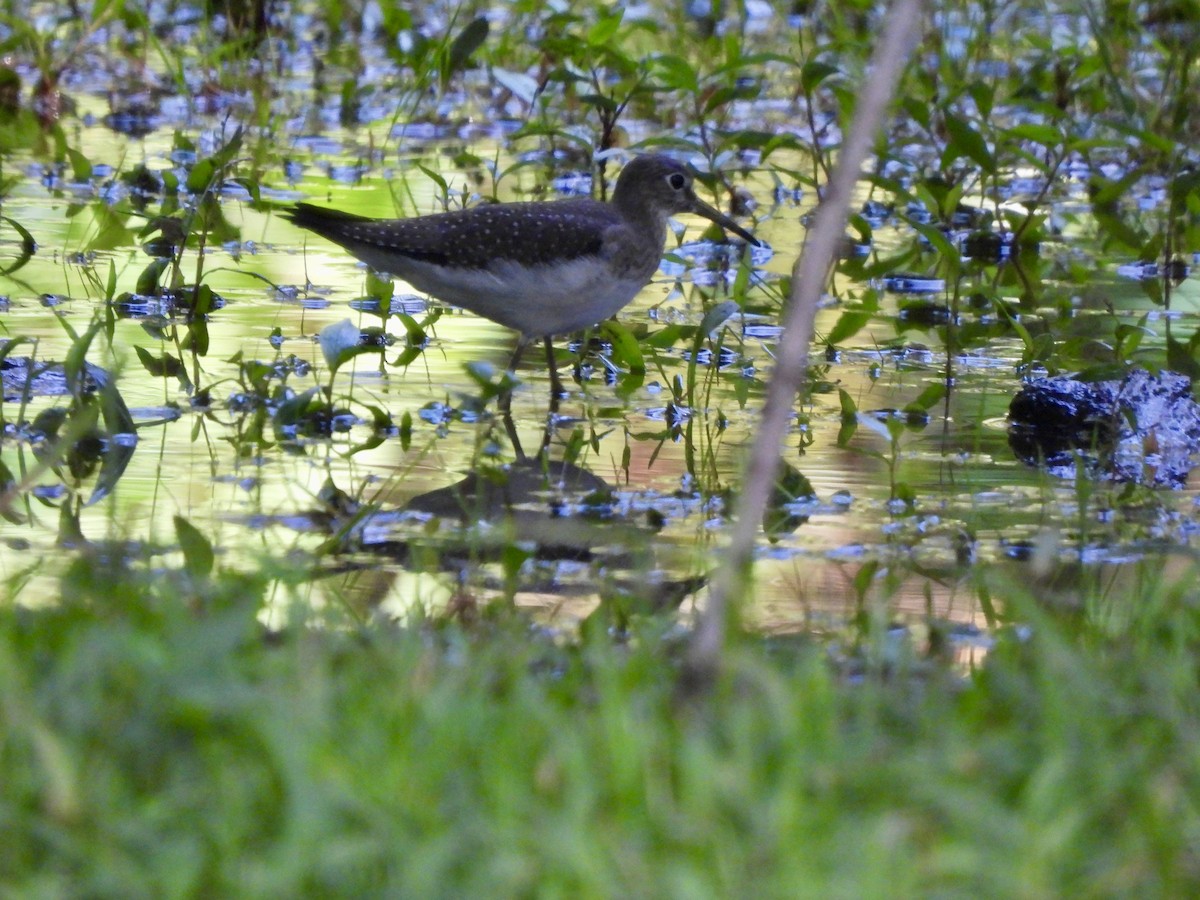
{"x":906,"y":283}
{"x":989,"y":246}
{"x":1143,"y":428}
{"x":135,"y":120}
{"x":926,"y":315}
{"x":23,"y":377}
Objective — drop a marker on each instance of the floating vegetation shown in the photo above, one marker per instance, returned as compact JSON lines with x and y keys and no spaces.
{"x":1027,"y":213}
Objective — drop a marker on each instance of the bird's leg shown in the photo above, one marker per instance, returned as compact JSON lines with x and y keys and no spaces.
{"x":556,"y":386}
{"x":513,"y":438}
{"x":518,"y":352}
{"x":556,"y":394}
{"x":504,"y":402}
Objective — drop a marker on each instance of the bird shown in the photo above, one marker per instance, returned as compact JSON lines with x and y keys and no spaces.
{"x":541,"y":268}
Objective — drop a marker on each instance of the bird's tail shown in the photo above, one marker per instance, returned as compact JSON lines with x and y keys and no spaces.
{"x":320,"y":219}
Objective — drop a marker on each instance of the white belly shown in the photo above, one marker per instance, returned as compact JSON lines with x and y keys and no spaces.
{"x":541,"y":301}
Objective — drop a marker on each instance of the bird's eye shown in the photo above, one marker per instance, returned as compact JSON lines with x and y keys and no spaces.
{"x":676,"y":181}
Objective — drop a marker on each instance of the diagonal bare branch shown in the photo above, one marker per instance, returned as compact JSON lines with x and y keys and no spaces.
{"x":733,"y":578}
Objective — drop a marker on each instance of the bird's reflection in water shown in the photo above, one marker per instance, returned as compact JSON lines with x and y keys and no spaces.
{"x":535,"y":532}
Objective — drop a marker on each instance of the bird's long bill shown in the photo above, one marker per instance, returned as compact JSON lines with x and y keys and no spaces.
{"x":715,"y":215}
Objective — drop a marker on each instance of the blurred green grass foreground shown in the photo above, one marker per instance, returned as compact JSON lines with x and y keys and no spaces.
{"x":157,"y":741}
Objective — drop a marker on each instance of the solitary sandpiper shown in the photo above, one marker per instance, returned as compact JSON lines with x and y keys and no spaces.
{"x":542,"y":268}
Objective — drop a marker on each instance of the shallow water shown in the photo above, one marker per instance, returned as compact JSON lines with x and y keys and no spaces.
{"x":914,"y":504}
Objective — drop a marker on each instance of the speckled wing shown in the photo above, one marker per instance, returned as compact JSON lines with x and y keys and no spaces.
{"x":532,"y":234}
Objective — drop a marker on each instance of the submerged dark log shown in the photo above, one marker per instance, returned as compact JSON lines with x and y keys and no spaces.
{"x":1143,"y":428}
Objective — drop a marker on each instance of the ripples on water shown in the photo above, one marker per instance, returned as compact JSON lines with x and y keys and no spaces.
{"x":920,"y":498}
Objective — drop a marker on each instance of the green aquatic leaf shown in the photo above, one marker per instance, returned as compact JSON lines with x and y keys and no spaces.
{"x":81,"y":166}
{"x":339,"y":342}
{"x":791,"y":486}
{"x":848,"y":324}
{"x":1046,"y":135}
{"x":76,"y":359}
{"x":415,"y":337}
{"x":28,"y":246}
{"x":370,"y":443}
{"x":116,"y":460}
{"x":603,"y":31}
{"x":381,"y":289}
{"x":200,"y":178}
{"x":716,"y":316}
{"x":966,"y":141}
{"x":625,"y":350}
{"x":937,"y":239}
{"x":928,"y":398}
{"x":918,"y":110}
{"x":406,"y":431}
{"x":676,"y":73}
{"x":159,"y":366}
{"x":1182,"y":358}
{"x":436,"y":177}
{"x":198,"y":555}
{"x":629,"y":383}
{"x":849,"y":418}
{"x":469,"y":40}
{"x":848,"y":407}
{"x":668,"y":336}
{"x":984,"y":95}
{"x":813,"y":72}
{"x":148,"y":280}
{"x":8,"y":484}
{"x":196,"y":339}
